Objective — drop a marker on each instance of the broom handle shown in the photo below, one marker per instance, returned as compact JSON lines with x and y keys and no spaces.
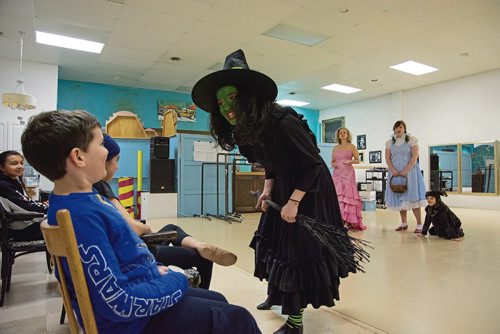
{"x":272,"y":204}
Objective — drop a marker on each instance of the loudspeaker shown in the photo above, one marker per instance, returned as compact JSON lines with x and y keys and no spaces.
{"x":434,"y":181}
{"x":162,"y":176}
{"x":434,"y":162}
{"x":159,"y":148}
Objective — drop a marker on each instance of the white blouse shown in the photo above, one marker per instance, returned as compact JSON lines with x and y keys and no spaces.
{"x":400,"y":141}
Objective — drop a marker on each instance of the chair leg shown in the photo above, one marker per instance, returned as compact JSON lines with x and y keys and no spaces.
{"x":4,"y":291}
{"x":49,"y":264}
{"x":5,"y":273}
{"x":12,"y":258}
{"x":63,"y":315}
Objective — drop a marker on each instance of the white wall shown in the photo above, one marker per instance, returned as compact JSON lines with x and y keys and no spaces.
{"x":456,"y":111}
{"x":40,"y":81}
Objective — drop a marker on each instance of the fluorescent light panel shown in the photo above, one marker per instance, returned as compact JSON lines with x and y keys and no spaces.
{"x":414,"y":68}
{"x":292,"y":103}
{"x":68,"y":42}
{"x":342,"y":88}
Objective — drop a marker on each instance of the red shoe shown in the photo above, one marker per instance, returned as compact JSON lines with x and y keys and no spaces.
{"x":401,"y":228}
{"x":418,"y":230}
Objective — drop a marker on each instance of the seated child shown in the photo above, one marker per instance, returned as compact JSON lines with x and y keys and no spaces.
{"x":129,"y":291}
{"x":445,"y":224}
{"x":15,"y":200}
{"x":185,"y":251}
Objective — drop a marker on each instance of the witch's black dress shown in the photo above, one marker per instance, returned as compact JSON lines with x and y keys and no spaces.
{"x":299,"y":271}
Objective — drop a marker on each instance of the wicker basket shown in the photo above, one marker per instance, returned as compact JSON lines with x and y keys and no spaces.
{"x":399,"y":188}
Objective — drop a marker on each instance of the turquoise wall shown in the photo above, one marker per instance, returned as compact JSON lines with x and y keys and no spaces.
{"x":104,"y":100}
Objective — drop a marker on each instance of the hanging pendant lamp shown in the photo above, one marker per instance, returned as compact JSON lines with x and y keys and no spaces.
{"x":19,"y":99}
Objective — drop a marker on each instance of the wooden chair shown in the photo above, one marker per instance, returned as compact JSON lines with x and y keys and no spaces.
{"x":13,"y":249}
{"x":61,"y":242}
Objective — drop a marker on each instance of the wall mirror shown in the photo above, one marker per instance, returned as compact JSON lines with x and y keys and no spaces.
{"x":444,"y":167}
{"x":469,"y":168}
{"x":478,"y":161}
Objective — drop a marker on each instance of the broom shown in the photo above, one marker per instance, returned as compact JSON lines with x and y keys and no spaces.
{"x":349,"y":251}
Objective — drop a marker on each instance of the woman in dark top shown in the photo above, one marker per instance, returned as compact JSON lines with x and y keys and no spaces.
{"x":243,"y":113}
{"x":14,"y":199}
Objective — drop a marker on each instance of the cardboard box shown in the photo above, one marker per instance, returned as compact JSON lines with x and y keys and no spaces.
{"x":367,"y":195}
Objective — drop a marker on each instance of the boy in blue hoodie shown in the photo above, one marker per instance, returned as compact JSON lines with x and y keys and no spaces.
{"x":129,"y":291}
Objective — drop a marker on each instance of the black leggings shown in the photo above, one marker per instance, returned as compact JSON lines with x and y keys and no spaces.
{"x":183,"y":257}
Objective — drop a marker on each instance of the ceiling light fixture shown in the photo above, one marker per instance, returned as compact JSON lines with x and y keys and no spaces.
{"x":341,"y":88}
{"x":414,"y":68}
{"x":68,"y":42}
{"x":19,"y":99}
{"x":292,"y":103}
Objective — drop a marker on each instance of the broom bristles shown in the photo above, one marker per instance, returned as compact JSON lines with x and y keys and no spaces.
{"x":349,"y":251}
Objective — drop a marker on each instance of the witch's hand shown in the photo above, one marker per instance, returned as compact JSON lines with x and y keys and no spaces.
{"x":289,"y":211}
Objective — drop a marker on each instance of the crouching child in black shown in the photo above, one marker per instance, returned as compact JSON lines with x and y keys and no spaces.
{"x":445,"y":224}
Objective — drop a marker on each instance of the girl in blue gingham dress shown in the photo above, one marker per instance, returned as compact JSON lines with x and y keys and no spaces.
{"x":401,"y":156}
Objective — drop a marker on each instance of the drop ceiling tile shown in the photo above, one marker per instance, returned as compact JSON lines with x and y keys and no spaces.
{"x":155,"y":19}
{"x":185,"y":8}
{"x":233,"y":19}
{"x":260,"y":8}
{"x":215,"y":50}
{"x":122,"y":61}
{"x":187,"y":60}
{"x":273,"y":45}
{"x":71,"y":17}
{"x":119,"y":40}
{"x":141,"y":31}
{"x":100,"y":8}
{"x":218,"y":32}
{"x":110,"y":51}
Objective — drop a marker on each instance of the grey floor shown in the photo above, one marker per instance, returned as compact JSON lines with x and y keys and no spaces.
{"x":412,"y":285}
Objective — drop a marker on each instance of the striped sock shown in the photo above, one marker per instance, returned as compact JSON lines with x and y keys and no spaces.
{"x":295,"y":321}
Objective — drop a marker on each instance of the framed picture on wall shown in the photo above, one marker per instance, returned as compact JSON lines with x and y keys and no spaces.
{"x":361,"y":142}
{"x":361,"y":157}
{"x":329,"y":126}
{"x":375,"y":157}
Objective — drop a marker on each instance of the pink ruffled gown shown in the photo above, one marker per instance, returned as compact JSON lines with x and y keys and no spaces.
{"x":344,"y":179}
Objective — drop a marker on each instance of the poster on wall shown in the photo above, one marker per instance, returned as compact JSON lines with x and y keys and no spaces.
{"x":361,"y":142}
{"x":375,"y":157}
{"x":186,"y":112}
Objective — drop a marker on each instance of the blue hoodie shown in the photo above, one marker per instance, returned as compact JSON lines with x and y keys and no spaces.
{"x":125,"y":286}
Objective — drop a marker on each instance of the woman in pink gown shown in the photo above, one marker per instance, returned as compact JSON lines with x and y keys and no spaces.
{"x":344,"y":155}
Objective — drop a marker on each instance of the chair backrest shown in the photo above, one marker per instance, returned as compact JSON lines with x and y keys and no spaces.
{"x":61,"y":242}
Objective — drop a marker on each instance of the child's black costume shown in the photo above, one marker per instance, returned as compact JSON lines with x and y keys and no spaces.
{"x":445,"y":224}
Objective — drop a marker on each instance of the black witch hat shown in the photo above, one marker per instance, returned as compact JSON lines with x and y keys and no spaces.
{"x":235,"y":72}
